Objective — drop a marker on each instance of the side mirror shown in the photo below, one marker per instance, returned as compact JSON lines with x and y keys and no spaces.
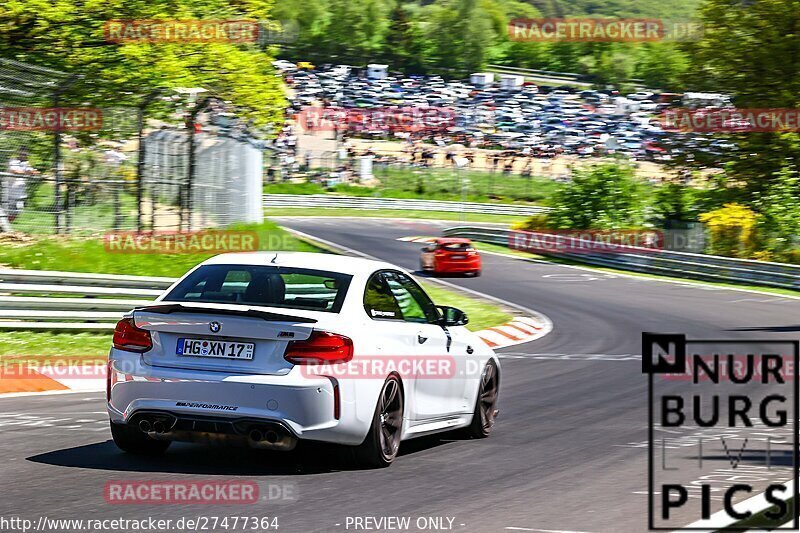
{"x":450,"y":316}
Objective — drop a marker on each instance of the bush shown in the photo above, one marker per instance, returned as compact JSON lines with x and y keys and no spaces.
{"x":675,"y":202}
{"x":534,"y":222}
{"x":732,"y":230}
{"x":778,"y":225}
{"x":606,"y":196}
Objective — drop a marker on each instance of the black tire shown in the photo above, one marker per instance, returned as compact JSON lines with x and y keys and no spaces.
{"x":483,"y":417}
{"x":383,"y":439}
{"x":129,"y":439}
{"x":476,"y":273}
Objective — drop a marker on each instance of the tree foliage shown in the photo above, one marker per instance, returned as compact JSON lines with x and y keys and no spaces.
{"x":68,"y":35}
{"x":463,"y":36}
{"x":606,"y":196}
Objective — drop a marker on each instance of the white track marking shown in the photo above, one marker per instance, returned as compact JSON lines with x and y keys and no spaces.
{"x":572,"y":356}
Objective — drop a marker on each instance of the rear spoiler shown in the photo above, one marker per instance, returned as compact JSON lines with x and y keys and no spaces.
{"x":264,"y":315}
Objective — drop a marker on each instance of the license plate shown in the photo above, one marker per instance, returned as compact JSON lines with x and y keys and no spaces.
{"x":214,"y":348}
{"x":458,"y":257}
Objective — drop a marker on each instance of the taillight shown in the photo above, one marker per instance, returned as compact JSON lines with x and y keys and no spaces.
{"x":130,"y":338}
{"x":320,"y":348}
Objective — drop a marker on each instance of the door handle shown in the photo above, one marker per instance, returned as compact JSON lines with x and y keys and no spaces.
{"x":421,"y":339}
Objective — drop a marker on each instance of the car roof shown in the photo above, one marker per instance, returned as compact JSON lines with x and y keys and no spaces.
{"x":453,"y":240}
{"x":328,"y":262}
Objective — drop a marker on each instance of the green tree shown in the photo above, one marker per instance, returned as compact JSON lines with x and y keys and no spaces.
{"x":460,"y":34}
{"x":750,"y":50}
{"x":355,"y":28}
{"x":662,"y":65}
{"x":606,"y":196}
{"x":403,"y":45}
{"x":673,"y":201}
{"x":69,"y":36}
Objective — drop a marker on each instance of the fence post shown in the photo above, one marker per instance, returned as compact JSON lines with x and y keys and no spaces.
{"x":117,"y":210}
{"x":57,"y":170}
{"x":187,"y":200}
{"x":142,"y":154}
{"x":57,"y":151}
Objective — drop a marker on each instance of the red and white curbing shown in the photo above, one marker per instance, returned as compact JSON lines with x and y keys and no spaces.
{"x":520,"y":330}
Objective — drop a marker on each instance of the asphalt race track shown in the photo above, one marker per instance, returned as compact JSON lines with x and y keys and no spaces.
{"x":564,"y":455}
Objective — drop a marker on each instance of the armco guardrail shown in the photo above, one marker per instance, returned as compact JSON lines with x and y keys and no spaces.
{"x":371,"y":203}
{"x":679,"y":264}
{"x":83,"y":307}
{"x":71,"y":300}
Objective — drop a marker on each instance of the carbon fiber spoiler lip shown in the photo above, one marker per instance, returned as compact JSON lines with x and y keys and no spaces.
{"x":166,"y":309}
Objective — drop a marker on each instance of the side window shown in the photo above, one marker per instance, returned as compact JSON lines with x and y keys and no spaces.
{"x":413,"y":302}
{"x":379,"y":302}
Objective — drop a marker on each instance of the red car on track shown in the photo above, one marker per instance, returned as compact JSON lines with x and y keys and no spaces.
{"x":450,"y":255}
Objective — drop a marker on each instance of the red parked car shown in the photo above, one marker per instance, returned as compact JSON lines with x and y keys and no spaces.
{"x":450,"y":255}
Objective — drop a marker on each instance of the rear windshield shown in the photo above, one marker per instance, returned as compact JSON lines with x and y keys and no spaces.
{"x":292,"y":288}
{"x":456,"y":246}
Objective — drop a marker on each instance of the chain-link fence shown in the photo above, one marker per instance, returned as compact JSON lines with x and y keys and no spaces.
{"x":220,"y":187}
{"x":90,"y":169}
{"x":63,"y":168}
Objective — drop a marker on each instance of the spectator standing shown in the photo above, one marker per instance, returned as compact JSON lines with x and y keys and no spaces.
{"x":15,"y":184}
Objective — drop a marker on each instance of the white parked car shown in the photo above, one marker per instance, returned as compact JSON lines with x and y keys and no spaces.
{"x":266,"y":349}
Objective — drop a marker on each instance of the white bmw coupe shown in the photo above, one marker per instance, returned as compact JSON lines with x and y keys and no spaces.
{"x":265,"y":349}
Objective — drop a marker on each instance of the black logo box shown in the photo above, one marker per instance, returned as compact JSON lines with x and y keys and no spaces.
{"x":677,"y":365}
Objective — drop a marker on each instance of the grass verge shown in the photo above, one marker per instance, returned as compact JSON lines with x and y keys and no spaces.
{"x":437,"y":184}
{"x":45,"y":343}
{"x":88,"y":254}
{"x":482,"y":313}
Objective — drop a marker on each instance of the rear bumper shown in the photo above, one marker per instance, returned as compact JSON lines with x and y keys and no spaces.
{"x":457,"y":266}
{"x":253,"y":432}
{"x":304,"y":406}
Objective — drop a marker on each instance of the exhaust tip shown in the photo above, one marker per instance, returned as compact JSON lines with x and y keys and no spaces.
{"x":159,"y":427}
{"x":144,"y":425}
{"x":256,"y":436}
{"x":271,"y":437}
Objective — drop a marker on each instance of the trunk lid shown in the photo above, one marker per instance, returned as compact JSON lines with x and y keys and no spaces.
{"x":269,"y":330}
